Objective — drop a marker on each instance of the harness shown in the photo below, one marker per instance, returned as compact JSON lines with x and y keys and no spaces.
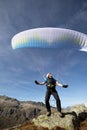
{"x":51,"y":82}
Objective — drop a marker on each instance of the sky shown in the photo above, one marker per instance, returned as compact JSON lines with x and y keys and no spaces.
{"x":19,"y":68}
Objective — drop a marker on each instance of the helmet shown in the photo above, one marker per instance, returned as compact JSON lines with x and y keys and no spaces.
{"x":48,"y":75}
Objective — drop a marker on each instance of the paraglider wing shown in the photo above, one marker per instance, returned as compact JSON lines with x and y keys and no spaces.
{"x":48,"y":38}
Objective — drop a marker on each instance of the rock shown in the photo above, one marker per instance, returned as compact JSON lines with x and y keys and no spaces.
{"x":81,"y":111}
{"x":83,"y":125}
{"x":55,"y":120}
{"x":70,"y":121}
{"x":81,"y":108}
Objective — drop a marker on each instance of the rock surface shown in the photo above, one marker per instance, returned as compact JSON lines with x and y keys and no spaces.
{"x":83,"y":125}
{"x":55,"y":120}
{"x":70,"y":121}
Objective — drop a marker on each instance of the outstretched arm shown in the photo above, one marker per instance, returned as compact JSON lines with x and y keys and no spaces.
{"x":61,"y":85}
{"x":39,"y":83}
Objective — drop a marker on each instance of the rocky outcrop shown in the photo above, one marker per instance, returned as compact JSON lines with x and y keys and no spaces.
{"x":70,"y":121}
{"x":54,"y":120}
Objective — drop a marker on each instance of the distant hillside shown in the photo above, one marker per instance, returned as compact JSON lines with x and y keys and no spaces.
{"x":14,"y":112}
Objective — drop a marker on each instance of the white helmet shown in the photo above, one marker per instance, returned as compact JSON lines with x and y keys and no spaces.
{"x":48,"y":75}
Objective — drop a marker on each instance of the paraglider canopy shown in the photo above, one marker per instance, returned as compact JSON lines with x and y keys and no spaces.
{"x":49,"y":38}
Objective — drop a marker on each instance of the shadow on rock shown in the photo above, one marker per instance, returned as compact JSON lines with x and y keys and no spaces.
{"x":82,"y":116}
{"x":70,"y":113}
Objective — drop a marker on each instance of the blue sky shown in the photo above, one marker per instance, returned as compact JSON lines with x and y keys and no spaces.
{"x":19,"y":68}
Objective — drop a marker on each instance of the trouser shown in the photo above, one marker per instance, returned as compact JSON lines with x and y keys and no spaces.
{"x":47,"y":97}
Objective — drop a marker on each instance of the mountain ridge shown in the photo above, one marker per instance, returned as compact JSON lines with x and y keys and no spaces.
{"x":16,"y":112}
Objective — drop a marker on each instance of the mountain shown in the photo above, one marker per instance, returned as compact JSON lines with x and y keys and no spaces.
{"x":28,"y":115}
{"x":14,"y":112}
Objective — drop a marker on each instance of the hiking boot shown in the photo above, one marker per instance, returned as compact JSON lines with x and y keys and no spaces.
{"x":48,"y":113}
{"x":60,"y":114}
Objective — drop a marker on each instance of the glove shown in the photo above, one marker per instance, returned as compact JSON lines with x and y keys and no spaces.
{"x":65,"y":86}
{"x":36,"y":82}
